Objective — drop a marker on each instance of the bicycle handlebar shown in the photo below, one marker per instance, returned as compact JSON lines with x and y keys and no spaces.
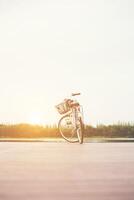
{"x":74,"y":94}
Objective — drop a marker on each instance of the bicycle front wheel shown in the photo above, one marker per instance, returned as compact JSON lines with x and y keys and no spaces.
{"x":67,"y":129}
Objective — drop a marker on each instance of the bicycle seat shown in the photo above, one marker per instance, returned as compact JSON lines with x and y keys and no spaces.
{"x":75,"y":94}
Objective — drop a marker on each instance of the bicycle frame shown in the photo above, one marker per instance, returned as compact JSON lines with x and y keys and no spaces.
{"x":75,"y":114}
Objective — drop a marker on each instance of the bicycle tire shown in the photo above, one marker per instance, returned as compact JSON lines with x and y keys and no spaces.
{"x":68,"y":133}
{"x":80,"y":131}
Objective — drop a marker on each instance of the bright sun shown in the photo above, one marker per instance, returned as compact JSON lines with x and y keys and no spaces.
{"x":35,"y":118}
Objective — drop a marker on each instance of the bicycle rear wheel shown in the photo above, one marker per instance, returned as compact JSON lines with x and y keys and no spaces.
{"x":67,"y":129}
{"x":80,"y":130}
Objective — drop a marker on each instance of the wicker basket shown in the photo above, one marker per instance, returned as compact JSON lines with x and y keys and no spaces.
{"x":63,"y":107}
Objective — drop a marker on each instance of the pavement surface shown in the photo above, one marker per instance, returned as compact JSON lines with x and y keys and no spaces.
{"x":63,"y":171}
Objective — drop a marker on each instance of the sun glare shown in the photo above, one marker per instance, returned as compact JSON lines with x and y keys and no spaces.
{"x":36,"y":118}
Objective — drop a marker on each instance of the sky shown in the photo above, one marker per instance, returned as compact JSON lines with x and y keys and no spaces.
{"x":49,"y":49}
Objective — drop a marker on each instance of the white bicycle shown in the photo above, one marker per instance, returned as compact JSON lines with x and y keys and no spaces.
{"x":71,"y":125}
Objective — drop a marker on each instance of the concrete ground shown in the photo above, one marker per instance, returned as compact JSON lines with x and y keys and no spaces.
{"x":63,"y":171}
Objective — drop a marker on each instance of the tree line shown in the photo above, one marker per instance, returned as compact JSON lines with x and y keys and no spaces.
{"x":37,"y":131}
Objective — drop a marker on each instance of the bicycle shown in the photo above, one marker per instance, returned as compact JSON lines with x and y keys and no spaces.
{"x":71,"y":124}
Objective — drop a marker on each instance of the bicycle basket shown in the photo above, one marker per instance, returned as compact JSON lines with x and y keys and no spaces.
{"x":63,"y":107}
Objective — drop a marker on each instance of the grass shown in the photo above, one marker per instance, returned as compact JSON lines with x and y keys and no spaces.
{"x":36,"y":132}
